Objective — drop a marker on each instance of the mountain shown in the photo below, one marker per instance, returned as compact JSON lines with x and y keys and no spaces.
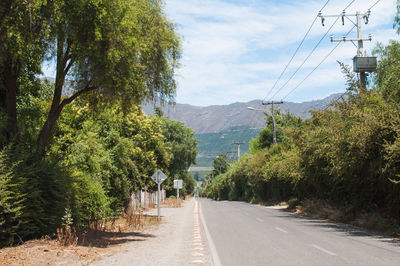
{"x":215,"y":118}
{"x":212,"y":144}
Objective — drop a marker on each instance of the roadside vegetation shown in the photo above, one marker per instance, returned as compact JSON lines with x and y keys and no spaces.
{"x":73,"y":151}
{"x":342,"y":164}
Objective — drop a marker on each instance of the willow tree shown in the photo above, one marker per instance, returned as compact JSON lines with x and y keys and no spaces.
{"x":23,"y":37}
{"x":115,"y":49}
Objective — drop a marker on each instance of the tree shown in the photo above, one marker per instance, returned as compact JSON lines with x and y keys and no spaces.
{"x":221,"y":164}
{"x":23,"y":39}
{"x":387,"y":77}
{"x":396,"y":23}
{"x":127,"y":50}
{"x":183,"y":145}
{"x":265,"y":138}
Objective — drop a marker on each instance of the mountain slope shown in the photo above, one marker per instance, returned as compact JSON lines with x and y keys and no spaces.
{"x":214,"y":118}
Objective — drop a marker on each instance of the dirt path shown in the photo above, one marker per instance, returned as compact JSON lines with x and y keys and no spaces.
{"x":179,"y":240}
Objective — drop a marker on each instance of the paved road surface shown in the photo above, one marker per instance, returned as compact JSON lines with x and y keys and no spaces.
{"x":245,"y":234}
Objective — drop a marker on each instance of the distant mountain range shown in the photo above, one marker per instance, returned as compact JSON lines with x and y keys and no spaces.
{"x":215,"y":118}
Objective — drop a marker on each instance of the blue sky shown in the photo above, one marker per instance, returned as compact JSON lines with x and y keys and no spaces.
{"x":234,"y":51}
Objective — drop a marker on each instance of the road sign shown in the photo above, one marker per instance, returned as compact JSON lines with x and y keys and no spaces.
{"x":178,"y":183}
{"x":158,"y":177}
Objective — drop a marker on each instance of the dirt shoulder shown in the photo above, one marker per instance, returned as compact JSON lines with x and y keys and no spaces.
{"x":170,"y":244}
{"x":100,"y":246}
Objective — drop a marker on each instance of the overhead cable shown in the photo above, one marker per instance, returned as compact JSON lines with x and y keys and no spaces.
{"x":297,"y":49}
{"x":311,"y":53}
{"x":315,"y":68}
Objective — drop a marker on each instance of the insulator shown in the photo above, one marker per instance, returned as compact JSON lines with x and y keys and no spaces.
{"x":343,"y":15}
{"x":366,"y":19}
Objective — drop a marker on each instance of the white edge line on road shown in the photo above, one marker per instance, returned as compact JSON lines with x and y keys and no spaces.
{"x":280,"y":229}
{"x":260,"y":220}
{"x":324,"y":250}
{"x":211,"y":245}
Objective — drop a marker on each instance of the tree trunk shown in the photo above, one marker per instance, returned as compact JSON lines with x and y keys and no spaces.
{"x":44,"y":135}
{"x":55,"y":109}
{"x":11,"y":100}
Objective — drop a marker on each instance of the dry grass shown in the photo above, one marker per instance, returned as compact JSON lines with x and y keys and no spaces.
{"x":171,"y":203}
{"x":100,"y":240}
{"x":66,"y":236}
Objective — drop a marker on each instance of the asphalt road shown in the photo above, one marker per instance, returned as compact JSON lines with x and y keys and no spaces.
{"x":244,"y":234}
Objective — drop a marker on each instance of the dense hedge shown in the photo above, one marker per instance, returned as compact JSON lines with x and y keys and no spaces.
{"x":348,"y":155}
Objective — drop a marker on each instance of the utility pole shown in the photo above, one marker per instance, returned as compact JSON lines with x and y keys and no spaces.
{"x":361,"y":62}
{"x":238,"y":146}
{"x":232,"y":155}
{"x":272,"y":103}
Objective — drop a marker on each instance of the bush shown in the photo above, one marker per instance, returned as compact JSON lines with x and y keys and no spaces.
{"x":293,"y":203}
{"x":32,"y":196}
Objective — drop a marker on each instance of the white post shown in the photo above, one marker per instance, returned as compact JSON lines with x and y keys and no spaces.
{"x":158,"y":202}
{"x":177,"y":197}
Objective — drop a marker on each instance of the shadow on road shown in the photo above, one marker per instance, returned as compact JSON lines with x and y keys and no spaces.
{"x":342,"y":228}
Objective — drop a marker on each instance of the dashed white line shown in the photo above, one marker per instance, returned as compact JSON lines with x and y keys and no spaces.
{"x":260,"y":220}
{"x":246,"y":213}
{"x":324,"y":250}
{"x":280,"y":229}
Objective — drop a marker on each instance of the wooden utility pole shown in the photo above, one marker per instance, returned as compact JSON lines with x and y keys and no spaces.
{"x":272,"y":103}
{"x":238,"y":146}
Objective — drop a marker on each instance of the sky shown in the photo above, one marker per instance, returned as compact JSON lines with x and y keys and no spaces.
{"x":235,"y":50}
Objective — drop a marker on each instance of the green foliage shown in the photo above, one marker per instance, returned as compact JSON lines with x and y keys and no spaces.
{"x":387,"y":77}
{"x":221,"y":164}
{"x":265,"y":138}
{"x":99,"y":147}
{"x":32,"y":196}
{"x":182,"y":145}
{"x":396,"y":23}
{"x":348,"y":155}
{"x":213,"y":144}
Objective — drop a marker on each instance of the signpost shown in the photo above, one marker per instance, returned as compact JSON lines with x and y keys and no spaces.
{"x":158,"y":177}
{"x":177,"y":185}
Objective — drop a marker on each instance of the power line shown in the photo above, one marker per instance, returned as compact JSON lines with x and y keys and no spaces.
{"x":320,"y":63}
{"x":297,"y":49}
{"x":312,"y":51}
{"x":374,"y":5}
{"x":328,"y":54}
{"x":349,"y":5}
{"x":254,"y":116}
{"x":305,"y":60}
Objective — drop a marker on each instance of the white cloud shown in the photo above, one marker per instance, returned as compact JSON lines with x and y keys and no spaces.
{"x":234,"y":51}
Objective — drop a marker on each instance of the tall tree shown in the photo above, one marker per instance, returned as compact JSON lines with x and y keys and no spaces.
{"x":124,"y":49}
{"x":183,"y":147}
{"x":23,"y":31}
{"x":183,"y":144}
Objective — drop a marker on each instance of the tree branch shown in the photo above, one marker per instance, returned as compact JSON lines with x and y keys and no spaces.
{"x":74,"y":96}
{"x":68,"y":67}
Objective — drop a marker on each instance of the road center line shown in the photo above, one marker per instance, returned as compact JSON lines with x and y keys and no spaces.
{"x":324,"y":250}
{"x":260,"y":220}
{"x":280,"y":229}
